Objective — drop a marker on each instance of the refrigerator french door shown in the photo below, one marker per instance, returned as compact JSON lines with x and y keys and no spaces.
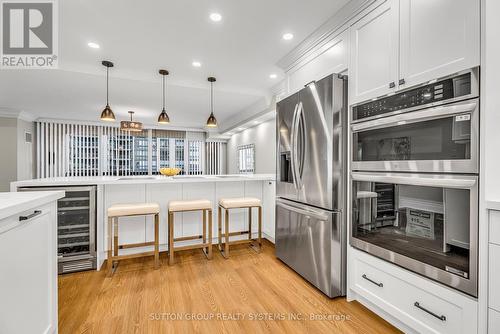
{"x":310,"y":221}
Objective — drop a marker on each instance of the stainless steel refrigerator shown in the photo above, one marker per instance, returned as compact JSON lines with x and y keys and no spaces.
{"x":311,"y":183}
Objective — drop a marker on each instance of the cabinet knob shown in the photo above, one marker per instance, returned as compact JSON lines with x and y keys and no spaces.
{"x":402,"y":81}
{"x":392,"y":84}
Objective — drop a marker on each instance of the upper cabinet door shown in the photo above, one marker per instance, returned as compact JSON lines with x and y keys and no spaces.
{"x":373,"y":69}
{"x":438,"y":38}
{"x":331,"y":58}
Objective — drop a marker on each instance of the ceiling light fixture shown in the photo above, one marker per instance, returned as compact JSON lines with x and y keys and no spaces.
{"x":93,"y":45}
{"x":211,"y":121}
{"x":196,"y":63}
{"x":107,"y":114}
{"x":273,"y":76}
{"x":216,"y":17}
{"x":131,"y":125}
{"x":288,"y":36}
{"x":163,"y":118}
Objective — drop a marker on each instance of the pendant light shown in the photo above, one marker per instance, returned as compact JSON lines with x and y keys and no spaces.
{"x":131,"y":125}
{"x":211,"y":121}
{"x":107,"y":114}
{"x":163,"y":118}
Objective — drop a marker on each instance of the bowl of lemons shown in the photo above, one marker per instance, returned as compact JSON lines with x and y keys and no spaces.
{"x":169,"y":171}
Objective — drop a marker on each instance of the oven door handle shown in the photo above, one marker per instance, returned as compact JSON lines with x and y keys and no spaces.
{"x":429,"y":180}
{"x":417,"y":116}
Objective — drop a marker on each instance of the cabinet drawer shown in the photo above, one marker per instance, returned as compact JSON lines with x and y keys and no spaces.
{"x":418,"y":308}
{"x":494,"y":223}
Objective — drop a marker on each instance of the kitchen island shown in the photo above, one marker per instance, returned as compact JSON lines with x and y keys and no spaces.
{"x":162,"y":189}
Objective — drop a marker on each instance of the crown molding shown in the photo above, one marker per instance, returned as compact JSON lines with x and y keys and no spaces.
{"x":18,"y":114}
{"x":325,"y":33}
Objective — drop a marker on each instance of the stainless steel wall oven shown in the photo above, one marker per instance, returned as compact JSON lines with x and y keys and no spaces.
{"x":415,"y":181}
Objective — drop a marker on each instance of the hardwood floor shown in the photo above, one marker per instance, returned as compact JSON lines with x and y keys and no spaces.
{"x":248,"y":293}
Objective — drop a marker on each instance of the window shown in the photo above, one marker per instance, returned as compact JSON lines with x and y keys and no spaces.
{"x":92,"y":150}
{"x":246,"y":159}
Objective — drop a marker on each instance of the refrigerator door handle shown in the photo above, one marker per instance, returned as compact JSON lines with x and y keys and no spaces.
{"x":303,"y":211}
{"x":295,"y":131}
{"x":293,"y":152}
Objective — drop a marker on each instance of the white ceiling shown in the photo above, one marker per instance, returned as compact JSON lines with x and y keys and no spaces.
{"x":141,"y":37}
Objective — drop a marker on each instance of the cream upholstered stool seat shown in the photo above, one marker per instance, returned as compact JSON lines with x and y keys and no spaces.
{"x":203,"y":205}
{"x":126,"y":210}
{"x":239,"y":203}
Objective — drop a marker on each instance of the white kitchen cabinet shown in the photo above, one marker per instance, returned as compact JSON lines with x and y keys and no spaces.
{"x":403,"y":43}
{"x":493,"y":321}
{"x":494,"y":277}
{"x":437,"y":38}
{"x":373,"y":68}
{"x":269,"y":208}
{"x":28,"y":262}
{"x":403,"y":297}
{"x":330,"y":58}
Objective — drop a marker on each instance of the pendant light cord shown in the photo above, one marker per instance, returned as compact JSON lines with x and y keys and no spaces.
{"x":212,"y":97}
{"x":163,"y":91}
{"x":107,"y":86}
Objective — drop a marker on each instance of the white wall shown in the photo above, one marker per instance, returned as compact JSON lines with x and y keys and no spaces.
{"x":263,"y":136}
{"x":490,"y":99}
{"x":8,"y":150}
{"x":25,"y":152}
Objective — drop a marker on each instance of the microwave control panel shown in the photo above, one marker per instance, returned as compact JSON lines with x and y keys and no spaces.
{"x":438,"y":91}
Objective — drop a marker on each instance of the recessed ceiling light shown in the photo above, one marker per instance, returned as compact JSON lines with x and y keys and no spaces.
{"x":196,"y":63}
{"x":273,"y":76}
{"x":288,"y":36}
{"x":240,"y":129}
{"x":216,"y":17}
{"x":93,"y":45}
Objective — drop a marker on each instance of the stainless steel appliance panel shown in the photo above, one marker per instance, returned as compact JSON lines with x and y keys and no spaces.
{"x":443,"y":139}
{"x":433,"y":227}
{"x":312,"y":242}
{"x":311,"y":144}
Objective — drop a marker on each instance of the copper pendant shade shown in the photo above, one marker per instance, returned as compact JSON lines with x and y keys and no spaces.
{"x":131,"y":125}
{"x":211,"y":121}
{"x":163,"y":117}
{"x":107,"y":114}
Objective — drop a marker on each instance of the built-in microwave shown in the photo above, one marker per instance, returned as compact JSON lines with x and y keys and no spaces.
{"x":426,"y":223}
{"x":433,"y":128}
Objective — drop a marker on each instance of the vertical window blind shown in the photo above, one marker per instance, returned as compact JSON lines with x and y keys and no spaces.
{"x":216,"y":157}
{"x":68,"y":149}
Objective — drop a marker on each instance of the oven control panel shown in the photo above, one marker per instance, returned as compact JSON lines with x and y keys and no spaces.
{"x":438,"y":91}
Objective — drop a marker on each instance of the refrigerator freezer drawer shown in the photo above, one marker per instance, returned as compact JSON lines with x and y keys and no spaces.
{"x":310,"y":241}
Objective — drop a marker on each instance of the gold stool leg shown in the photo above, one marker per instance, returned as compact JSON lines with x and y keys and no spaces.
{"x":250,"y":223}
{"x":226,"y":232}
{"x":157,"y":243}
{"x":209,"y":234}
{"x":109,"y":265}
{"x":260,"y":227}
{"x":205,"y":229}
{"x":171,"y":238}
{"x":219,"y":227}
{"x":115,"y":243}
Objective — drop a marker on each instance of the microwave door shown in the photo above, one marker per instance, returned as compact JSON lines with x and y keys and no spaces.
{"x":286,"y":112}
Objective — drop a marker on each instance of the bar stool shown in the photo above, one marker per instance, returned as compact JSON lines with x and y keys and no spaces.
{"x":239,"y":203}
{"x":185,"y":206}
{"x":126,"y":210}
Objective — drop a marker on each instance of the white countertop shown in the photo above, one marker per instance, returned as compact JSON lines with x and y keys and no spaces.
{"x":91,"y":180}
{"x":493,"y":204}
{"x":12,"y":203}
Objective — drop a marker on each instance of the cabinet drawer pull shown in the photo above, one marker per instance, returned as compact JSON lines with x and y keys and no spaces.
{"x":440,"y":317}
{"x":402,"y":81}
{"x":34,"y":214}
{"x":392,"y":84}
{"x":380,"y":285}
